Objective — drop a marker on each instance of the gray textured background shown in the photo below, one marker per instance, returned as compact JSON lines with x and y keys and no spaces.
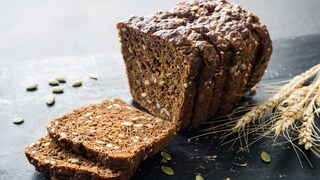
{"x":37,"y":29}
{"x":40,"y":39}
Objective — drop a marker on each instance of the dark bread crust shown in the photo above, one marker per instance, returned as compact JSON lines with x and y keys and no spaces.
{"x":73,"y":131}
{"x":263,"y":55}
{"x":241,"y":70}
{"x":44,"y":159}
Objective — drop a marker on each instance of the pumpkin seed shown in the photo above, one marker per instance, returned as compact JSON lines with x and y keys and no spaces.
{"x":60,"y":79}
{"x":199,"y":177}
{"x":265,"y":157}
{"x":18,"y":120}
{"x":32,"y":87}
{"x":163,"y":160}
{"x":77,"y":84}
{"x":53,"y":82}
{"x":93,"y":76}
{"x":57,"y":89}
{"x":50,"y":100}
{"x":166,"y":155}
{"x":167,"y":170}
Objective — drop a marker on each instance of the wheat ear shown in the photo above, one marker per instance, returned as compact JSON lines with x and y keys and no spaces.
{"x":317,"y":100}
{"x":306,"y":130}
{"x":287,"y":118}
{"x":295,"y":112}
{"x":266,"y":107}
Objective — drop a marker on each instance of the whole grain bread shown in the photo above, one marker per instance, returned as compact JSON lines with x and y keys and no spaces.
{"x":111,"y":132}
{"x":48,"y":157}
{"x":241,"y":49}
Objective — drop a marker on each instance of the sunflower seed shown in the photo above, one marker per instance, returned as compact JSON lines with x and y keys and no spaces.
{"x":167,"y":170}
{"x":57,"y":89}
{"x":61,"y":79}
{"x":53,"y":82}
{"x":77,"y":84}
{"x":199,"y":177}
{"x":32,"y":87}
{"x":93,"y":76}
{"x":265,"y":157}
{"x":50,"y":100}
{"x":18,"y":120}
{"x":166,"y":155}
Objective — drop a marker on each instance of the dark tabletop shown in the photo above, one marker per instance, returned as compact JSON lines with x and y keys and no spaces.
{"x":41,"y":39}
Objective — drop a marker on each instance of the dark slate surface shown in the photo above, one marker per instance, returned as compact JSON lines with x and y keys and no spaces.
{"x":290,"y":57}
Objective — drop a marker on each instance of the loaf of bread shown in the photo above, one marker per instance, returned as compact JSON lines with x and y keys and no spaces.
{"x":111,"y":132}
{"x":195,"y":61}
{"x":48,"y":157}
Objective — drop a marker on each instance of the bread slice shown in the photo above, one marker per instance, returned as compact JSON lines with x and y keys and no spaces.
{"x":111,"y":132}
{"x":48,"y":157}
{"x":162,"y":64}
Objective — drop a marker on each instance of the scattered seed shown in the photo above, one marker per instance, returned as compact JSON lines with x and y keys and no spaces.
{"x":166,"y":155}
{"x":167,"y":170}
{"x":50,"y":100}
{"x":53,"y":82}
{"x":265,"y":157}
{"x":199,"y":177}
{"x":77,"y":84}
{"x":163,"y":160}
{"x":18,"y":120}
{"x":57,"y":89}
{"x":32,"y":87}
{"x":61,"y":79}
{"x":93,"y":76}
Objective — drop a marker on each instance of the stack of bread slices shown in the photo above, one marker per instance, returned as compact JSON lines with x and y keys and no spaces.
{"x":107,"y":140}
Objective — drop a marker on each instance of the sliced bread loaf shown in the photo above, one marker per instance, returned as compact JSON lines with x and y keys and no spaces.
{"x":240,"y":50}
{"x":48,"y":157}
{"x":111,"y":132}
